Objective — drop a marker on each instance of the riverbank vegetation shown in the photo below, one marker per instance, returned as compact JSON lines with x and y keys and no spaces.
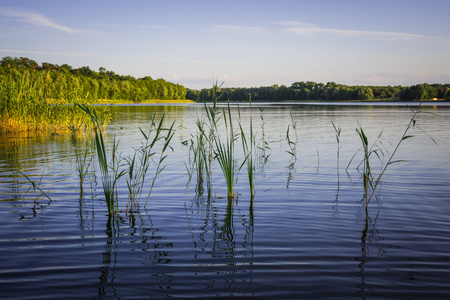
{"x":24,"y":107}
{"x":43,"y":97}
{"x":63,"y":81}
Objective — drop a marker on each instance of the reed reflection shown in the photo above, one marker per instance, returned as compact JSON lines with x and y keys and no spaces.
{"x":141,"y":239}
{"x":222,"y":250}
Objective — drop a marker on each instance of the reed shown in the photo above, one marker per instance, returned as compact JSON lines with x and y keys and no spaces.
{"x":139,"y":164}
{"x":160,"y":167}
{"x":225,"y":152}
{"x":337,"y":131}
{"x":24,"y":106}
{"x":371,"y":182}
{"x":199,"y":163}
{"x":248,"y":146}
{"x":212,"y":135}
{"x":292,"y":143}
{"x":264,"y":144}
{"x":109,"y":177}
{"x":83,"y":162}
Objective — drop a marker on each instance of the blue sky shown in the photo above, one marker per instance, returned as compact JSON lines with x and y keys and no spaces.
{"x":242,"y":42}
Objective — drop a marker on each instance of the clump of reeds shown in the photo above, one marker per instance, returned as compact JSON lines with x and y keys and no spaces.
{"x":292,"y":143}
{"x":83,"y":162}
{"x":110,"y":173}
{"x":160,"y":167}
{"x":199,"y":163}
{"x":224,"y":152}
{"x":139,"y":164}
{"x":371,"y":182}
{"x":24,"y":107}
{"x":264,"y":144}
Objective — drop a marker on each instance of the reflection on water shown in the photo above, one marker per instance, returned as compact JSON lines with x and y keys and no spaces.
{"x":306,"y":233}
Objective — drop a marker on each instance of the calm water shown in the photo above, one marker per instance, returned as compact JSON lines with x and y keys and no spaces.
{"x":307,"y":234}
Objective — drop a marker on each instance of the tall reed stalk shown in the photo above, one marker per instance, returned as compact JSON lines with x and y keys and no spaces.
{"x":225,"y":152}
{"x":160,"y":167}
{"x":337,"y":131}
{"x":292,"y":143}
{"x":83,"y":162}
{"x":248,"y":146}
{"x":139,"y":164}
{"x":371,"y":182}
{"x":110,"y":173}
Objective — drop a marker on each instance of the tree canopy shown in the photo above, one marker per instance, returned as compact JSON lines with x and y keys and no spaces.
{"x":63,"y":81}
{"x":326,"y":92}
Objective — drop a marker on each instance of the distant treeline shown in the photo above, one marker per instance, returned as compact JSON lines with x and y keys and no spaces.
{"x":327,"y":92}
{"x":65,"y":82}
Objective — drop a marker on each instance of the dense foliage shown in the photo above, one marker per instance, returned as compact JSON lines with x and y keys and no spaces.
{"x":327,"y":92}
{"x":64,"y":82}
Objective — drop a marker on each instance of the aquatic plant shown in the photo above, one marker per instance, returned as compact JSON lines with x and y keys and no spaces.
{"x":337,"y":131}
{"x":371,"y":182}
{"x":139,"y":164}
{"x":224,"y":152}
{"x":292,"y":143}
{"x":248,"y":146}
{"x":83,"y":162}
{"x":25,"y":107}
{"x":198,"y":146}
{"x":109,"y":178}
{"x":162,"y":157}
{"x":264,"y":144}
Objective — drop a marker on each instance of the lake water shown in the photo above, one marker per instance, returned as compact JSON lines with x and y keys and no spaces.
{"x":307,"y":235}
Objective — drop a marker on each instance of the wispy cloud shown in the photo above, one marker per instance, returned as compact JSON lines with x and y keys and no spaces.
{"x":132,"y":26}
{"x":239,"y":29}
{"x":307,"y":29}
{"x":33,"y":18}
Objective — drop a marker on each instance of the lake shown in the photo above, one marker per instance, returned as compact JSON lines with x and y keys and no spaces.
{"x":306,"y":234}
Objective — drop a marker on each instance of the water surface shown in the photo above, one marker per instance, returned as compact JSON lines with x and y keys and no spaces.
{"x":307,"y":234}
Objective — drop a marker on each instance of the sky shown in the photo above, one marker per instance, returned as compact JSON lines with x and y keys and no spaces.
{"x":243,"y":43}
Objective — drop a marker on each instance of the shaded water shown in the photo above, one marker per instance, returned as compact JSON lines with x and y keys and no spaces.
{"x":307,"y":233}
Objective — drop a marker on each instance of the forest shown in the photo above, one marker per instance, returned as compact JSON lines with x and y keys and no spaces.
{"x":331,"y":91}
{"x":65,"y":82}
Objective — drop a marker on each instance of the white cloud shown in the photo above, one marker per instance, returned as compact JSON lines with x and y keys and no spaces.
{"x":33,"y":18}
{"x":307,"y":29}
{"x":240,"y":29}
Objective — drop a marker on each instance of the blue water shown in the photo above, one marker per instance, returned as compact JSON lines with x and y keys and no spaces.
{"x":307,"y":233}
